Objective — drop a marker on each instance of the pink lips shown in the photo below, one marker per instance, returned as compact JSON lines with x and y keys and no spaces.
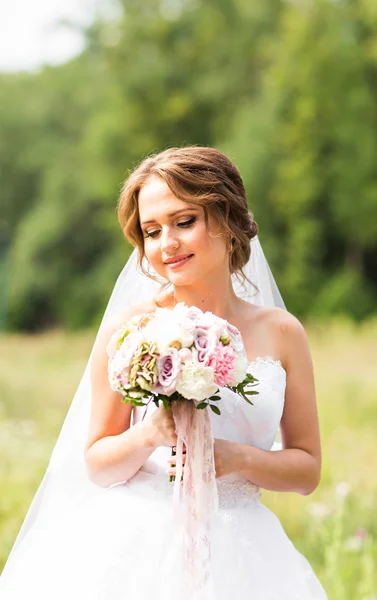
{"x":176,"y":261}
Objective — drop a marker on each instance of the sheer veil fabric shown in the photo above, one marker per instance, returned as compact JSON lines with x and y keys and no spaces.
{"x":65,"y":483}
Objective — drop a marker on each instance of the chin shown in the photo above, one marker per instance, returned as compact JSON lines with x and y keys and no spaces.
{"x":185,"y":280}
{"x":182,"y":278}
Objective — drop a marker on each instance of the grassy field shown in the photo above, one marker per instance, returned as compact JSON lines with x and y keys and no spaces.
{"x":335,"y":528}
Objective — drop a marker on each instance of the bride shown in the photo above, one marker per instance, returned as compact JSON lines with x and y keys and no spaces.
{"x":101,"y":525}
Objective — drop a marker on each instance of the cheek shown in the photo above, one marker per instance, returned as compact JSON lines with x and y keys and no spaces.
{"x":216,"y":245}
{"x":151,"y":250}
{"x":198,"y":236}
{"x":207,"y":244}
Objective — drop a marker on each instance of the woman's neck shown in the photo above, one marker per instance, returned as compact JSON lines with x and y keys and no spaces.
{"x":220,"y":300}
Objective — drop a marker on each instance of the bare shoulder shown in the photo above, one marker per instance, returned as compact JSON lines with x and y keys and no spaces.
{"x":283,"y":320}
{"x":286,"y":332}
{"x":292,"y":338}
{"x":276,"y":317}
{"x":116,"y":319}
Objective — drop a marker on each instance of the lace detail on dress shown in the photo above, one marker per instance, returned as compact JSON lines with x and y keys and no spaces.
{"x":266,"y":360}
{"x":231,"y":494}
{"x":238,"y":493}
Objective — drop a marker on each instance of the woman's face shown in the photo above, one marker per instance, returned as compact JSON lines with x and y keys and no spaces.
{"x":177,"y":242}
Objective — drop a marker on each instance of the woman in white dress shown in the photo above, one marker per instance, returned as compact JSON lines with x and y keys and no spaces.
{"x":101,"y":525}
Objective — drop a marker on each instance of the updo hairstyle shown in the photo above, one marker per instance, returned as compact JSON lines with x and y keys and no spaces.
{"x":197,"y":175}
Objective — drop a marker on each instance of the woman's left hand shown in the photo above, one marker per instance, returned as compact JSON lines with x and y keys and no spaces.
{"x":172,"y":462}
{"x":225,"y":458}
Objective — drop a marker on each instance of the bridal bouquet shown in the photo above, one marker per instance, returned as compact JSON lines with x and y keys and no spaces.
{"x":179,"y":354}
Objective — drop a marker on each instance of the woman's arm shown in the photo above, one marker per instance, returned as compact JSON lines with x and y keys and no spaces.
{"x":297,"y":467}
{"x":114,"y":450}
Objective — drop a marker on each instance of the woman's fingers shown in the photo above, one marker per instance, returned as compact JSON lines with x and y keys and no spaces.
{"x":173,"y":460}
{"x":173,"y":472}
{"x":183,"y":450}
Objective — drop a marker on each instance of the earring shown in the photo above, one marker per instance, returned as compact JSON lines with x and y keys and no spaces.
{"x":231,"y":245}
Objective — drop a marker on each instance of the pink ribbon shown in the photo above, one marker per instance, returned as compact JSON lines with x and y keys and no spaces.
{"x":194,"y":507}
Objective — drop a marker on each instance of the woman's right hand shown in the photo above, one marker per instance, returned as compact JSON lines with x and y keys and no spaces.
{"x":161,"y":427}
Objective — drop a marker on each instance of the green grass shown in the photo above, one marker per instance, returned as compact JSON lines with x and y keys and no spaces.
{"x":335,"y":527}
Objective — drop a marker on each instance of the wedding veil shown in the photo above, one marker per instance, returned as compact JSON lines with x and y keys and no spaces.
{"x":66,"y":483}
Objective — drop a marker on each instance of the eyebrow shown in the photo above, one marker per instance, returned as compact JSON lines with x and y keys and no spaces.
{"x":172,"y":214}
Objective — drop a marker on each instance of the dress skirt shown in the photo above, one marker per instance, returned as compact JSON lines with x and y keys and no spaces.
{"x":121,"y":543}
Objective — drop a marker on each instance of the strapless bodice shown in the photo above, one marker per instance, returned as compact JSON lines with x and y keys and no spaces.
{"x":239,"y":421}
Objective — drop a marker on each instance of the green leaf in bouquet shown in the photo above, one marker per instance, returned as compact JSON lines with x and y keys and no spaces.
{"x":215,"y":398}
{"x":121,"y":339}
{"x":136,"y":402}
{"x":202,"y":405}
{"x":243,"y":394}
{"x":247,"y":400}
{"x":165,"y":402}
{"x":215,"y":409}
{"x":126,"y":399}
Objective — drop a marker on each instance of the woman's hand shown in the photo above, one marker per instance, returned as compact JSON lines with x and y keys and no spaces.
{"x":226,"y":458}
{"x":172,"y":461}
{"x":160,"y":426}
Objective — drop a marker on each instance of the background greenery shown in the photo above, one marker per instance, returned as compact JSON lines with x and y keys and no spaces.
{"x":287,"y":89}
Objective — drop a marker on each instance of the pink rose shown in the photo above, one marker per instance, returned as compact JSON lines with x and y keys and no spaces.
{"x":203,"y":342}
{"x":168,"y":370}
{"x":185,"y":355}
{"x":236,"y":337}
{"x":223,"y":362}
{"x":194,"y":314}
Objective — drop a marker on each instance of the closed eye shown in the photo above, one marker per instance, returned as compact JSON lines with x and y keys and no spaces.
{"x":188,"y":223}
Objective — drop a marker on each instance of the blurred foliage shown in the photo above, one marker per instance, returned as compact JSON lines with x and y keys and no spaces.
{"x":287,"y":89}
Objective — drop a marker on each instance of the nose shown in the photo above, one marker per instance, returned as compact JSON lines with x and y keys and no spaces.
{"x":168,"y":241}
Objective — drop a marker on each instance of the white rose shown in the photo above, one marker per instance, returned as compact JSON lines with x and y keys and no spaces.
{"x":194,"y":313}
{"x":236,"y":338}
{"x":180,"y":310}
{"x":212,"y":323}
{"x":165,"y":331}
{"x":240,"y":368}
{"x":196,"y":381}
{"x":123,"y":357}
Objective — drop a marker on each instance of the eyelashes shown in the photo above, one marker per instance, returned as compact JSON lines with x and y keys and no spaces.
{"x":183,"y":224}
{"x":187,"y":223}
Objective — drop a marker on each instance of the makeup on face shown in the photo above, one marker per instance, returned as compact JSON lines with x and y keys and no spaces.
{"x":178,"y":261}
{"x":184,"y":223}
{"x":179,"y":243}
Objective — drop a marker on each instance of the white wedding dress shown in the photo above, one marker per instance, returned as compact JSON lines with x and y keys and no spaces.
{"x":120,"y":543}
